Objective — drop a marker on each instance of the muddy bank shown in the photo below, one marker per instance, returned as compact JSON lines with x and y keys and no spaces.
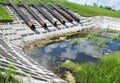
{"x":43,"y":42}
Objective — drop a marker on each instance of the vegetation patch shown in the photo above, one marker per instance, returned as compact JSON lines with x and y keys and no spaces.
{"x":74,"y":42}
{"x":9,"y":75}
{"x":103,"y":36}
{"x":106,"y":70}
{"x":4,"y":16}
{"x":116,"y":37}
{"x":100,"y":41}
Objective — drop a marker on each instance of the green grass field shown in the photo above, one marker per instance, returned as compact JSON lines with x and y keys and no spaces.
{"x":81,"y":9}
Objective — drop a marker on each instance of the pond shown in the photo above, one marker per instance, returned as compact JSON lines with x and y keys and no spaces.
{"x":50,"y":56}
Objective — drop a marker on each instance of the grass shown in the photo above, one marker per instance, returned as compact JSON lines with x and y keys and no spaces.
{"x":4,"y":2}
{"x":86,"y":10}
{"x":112,"y":31}
{"x":9,"y":75}
{"x":81,"y":9}
{"x":104,"y":71}
{"x":116,"y":37}
{"x":100,"y":41}
{"x":4,"y":16}
{"x":7,"y":2}
{"x":74,"y":42}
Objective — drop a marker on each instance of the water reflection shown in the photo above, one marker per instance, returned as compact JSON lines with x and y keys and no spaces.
{"x":51,"y":55}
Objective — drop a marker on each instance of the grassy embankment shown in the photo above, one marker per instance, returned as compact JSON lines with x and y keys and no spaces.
{"x":86,"y":10}
{"x":81,"y":9}
{"x":104,"y":71}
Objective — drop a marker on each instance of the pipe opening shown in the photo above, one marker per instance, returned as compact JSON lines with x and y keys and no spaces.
{"x":32,"y":27}
{"x":55,"y":23}
{"x":71,"y":20}
{"x":45,"y":25}
{"x":63,"y":22}
{"x":78,"y":20}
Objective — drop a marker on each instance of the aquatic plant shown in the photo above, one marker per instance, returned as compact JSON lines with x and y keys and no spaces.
{"x":74,"y":42}
{"x":100,"y":41}
{"x":112,"y":30}
{"x":92,"y":35}
{"x":106,"y":70}
{"x":116,"y":37}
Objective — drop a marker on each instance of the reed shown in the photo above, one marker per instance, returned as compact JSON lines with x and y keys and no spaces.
{"x":106,"y":70}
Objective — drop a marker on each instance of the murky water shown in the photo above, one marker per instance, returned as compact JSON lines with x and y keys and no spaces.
{"x":52,"y":55}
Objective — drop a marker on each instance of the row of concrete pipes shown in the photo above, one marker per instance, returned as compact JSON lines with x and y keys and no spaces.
{"x":68,"y":15}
